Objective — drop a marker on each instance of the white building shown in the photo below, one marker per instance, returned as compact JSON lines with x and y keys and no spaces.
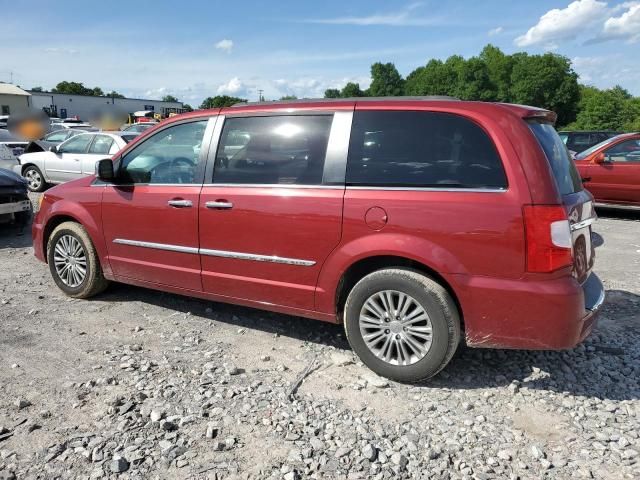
{"x":85,"y":106}
{"x":13,"y":99}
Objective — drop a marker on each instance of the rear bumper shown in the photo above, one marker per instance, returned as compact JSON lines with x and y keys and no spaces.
{"x":533,"y":314}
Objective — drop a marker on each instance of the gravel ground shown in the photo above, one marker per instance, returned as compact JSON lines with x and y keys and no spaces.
{"x":143,"y":384}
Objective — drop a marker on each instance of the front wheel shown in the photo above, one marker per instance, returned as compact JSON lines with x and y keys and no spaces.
{"x":73,"y":261}
{"x":402,"y":324}
{"x":35,"y":179}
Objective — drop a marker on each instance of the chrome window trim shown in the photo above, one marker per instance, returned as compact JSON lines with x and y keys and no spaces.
{"x":98,"y":183}
{"x":429,"y":189}
{"x":272,"y":185}
{"x":216,"y":253}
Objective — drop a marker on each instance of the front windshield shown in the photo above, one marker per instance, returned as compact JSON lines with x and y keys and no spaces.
{"x":589,"y":151}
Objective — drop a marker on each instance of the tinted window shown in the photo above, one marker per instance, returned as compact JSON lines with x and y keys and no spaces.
{"x":169,"y":156}
{"x":77,"y":144}
{"x":101,"y":145}
{"x":564,"y":170}
{"x":627,"y":151}
{"x":421,"y":149}
{"x":273,"y":150}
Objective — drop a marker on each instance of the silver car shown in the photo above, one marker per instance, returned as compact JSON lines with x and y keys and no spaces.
{"x":71,"y":159}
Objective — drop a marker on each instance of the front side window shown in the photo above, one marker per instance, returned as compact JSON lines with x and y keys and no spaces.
{"x":421,"y":149}
{"x":273,"y":150}
{"x":627,"y":151}
{"x":101,"y":145}
{"x":170,"y":156}
{"x":77,"y":144}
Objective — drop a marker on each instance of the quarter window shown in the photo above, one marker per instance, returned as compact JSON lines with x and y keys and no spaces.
{"x":273,"y":150}
{"x":421,"y":149}
{"x":77,"y":144}
{"x":170,"y":156}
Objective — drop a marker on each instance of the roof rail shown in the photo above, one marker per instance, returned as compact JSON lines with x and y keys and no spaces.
{"x":350,"y":99}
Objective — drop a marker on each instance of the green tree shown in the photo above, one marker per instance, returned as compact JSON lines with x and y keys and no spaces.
{"x":472,"y":80}
{"x":187,"y":107}
{"x":169,"y":98}
{"x":114,"y":94}
{"x":288,"y":97}
{"x":385,"y":81}
{"x":499,"y":68}
{"x":612,"y":109}
{"x":546,"y":81}
{"x":332,"y":93}
{"x":351,"y":90}
{"x":72,"y":88}
{"x":435,"y":78}
{"x":97,"y":92}
{"x":220,"y":101}
{"x":36,"y":89}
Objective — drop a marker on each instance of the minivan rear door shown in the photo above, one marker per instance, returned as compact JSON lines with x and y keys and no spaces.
{"x":577,"y":201}
{"x":270,"y":211}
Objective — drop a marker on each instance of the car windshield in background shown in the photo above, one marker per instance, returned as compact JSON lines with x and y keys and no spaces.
{"x":564,"y":170}
{"x":590,"y":150}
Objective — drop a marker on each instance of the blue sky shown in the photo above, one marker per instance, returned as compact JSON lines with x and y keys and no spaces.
{"x":194,"y":49}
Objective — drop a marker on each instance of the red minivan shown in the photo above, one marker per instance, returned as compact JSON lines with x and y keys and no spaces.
{"x":418,"y":223}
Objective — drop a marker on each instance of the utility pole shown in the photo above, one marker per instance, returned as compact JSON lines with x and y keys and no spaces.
{"x":260,"y":97}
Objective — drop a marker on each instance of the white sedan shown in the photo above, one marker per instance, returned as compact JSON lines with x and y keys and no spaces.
{"x":71,"y":159}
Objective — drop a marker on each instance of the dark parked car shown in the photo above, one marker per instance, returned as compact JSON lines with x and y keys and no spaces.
{"x":578,"y":142}
{"x":416,"y":223}
{"x":14,"y":200}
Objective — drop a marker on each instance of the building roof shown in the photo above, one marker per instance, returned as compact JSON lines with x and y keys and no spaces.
{"x":9,"y":89}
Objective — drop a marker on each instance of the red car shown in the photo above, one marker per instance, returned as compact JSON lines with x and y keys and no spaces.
{"x":417,"y":223}
{"x":611,"y":170}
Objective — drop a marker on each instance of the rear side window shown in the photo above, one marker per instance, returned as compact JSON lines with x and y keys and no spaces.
{"x":421,"y":149}
{"x":273,"y":150}
{"x":564,"y":170}
{"x":101,"y":145}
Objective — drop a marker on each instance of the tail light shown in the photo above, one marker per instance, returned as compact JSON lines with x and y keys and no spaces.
{"x":548,"y":238}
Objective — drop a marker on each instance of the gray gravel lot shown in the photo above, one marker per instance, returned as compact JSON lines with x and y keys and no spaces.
{"x":142,"y":384}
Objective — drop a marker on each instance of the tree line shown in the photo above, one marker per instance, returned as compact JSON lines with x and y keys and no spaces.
{"x":546,"y":81}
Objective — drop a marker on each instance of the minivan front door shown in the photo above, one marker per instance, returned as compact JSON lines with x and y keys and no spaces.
{"x":150,"y":216}
{"x":273,"y":213}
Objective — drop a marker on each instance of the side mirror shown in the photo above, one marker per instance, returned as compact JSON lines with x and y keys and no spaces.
{"x":53,"y":148}
{"x":599,"y":158}
{"x":104,"y":170}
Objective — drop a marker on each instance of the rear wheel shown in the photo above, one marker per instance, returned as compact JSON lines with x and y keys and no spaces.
{"x":73,"y":261}
{"x":402,"y":324}
{"x":34,"y":178}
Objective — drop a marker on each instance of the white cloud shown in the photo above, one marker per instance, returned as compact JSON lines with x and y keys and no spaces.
{"x":606,"y":71}
{"x":495,"y":31}
{"x":234,"y":86}
{"x":626,"y":25}
{"x":225,"y":45}
{"x":401,"y":18}
{"x":560,"y":24}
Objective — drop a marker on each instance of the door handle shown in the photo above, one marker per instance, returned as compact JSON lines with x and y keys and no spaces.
{"x":219,"y":204}
{"x":180,"y":203}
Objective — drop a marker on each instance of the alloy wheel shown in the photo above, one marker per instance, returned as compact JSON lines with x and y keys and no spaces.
{"x":395,"y":327}
{"x":70,"y":261}
{"x":34,"y":178}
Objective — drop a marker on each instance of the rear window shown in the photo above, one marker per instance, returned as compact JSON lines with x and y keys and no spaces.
{"x":564,"y":170}
{"x":421,"y":149}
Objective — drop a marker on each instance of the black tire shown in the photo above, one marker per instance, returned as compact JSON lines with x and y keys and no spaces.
{"x":93,"y":282}
{"x":31,"y":173}
{"x":434,"y":300}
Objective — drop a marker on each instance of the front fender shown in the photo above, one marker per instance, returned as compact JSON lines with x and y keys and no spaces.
{"x":425,"y":252}
{"x":88,"y":215}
